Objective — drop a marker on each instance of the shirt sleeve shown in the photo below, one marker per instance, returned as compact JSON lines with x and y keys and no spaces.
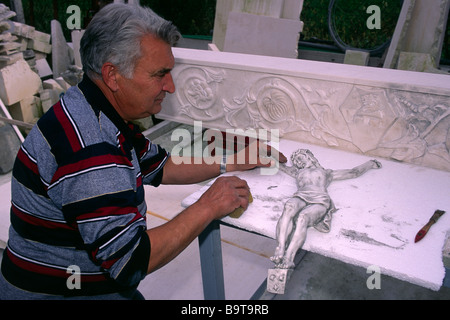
{"x":152,"y":158}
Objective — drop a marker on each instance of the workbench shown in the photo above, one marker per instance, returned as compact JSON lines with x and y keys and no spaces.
{"x":377,"y":219}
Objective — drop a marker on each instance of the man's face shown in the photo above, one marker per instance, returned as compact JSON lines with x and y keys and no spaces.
{"x":141,"y":96}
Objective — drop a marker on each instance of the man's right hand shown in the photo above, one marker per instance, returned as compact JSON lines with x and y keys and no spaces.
{"x":225,"y":195}
{"x":222,"y":198}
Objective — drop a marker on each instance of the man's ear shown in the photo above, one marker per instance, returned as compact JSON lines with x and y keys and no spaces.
{"x":109,"y":75}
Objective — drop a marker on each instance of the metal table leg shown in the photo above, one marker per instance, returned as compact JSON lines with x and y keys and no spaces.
{"x":447,"y":278}
{"x":211,"y":262}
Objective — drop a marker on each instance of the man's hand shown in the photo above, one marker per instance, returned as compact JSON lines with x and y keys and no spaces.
{"x":225,"y":195}
{"x":256,"y":154}
{"x":222,"y":198}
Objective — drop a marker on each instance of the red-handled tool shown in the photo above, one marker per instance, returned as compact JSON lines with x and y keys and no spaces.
{"x":437,"y":214}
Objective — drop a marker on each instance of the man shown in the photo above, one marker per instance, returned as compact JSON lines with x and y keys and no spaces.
{"x":311,"y":205}
{"x":78,"y":201}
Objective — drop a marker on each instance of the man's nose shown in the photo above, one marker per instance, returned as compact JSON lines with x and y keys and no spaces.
{"x":169,"y":85}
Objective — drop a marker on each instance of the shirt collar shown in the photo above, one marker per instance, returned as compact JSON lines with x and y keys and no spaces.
{"x":98,"y":101}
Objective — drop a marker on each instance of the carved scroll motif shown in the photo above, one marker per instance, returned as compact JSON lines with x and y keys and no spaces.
{"x":421,"y":133}
{"x":199,"y":93}
{"x":270,"y":103}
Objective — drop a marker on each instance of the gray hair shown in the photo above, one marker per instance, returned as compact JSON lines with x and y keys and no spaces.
{"x":114,"y":35}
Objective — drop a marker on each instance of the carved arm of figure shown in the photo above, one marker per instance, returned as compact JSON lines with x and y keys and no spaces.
{"x":356,"y":171}
{"x":291,"y":171}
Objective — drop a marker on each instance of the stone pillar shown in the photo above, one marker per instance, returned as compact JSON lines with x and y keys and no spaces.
{"x":16,"y":6}
{"x":420,"y":31}
{"x":76,"y":39}
{"x":427,"y":28}
{"x":62,"y":55}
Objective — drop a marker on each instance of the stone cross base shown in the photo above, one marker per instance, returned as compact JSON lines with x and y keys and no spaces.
{"x":277,"y":280}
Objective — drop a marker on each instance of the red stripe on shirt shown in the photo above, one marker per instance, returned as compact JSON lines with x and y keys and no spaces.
{"x":36,"y":221}
{"x":23,"y":157}
{"x":67,"y":126}
{"x":92,"y":162}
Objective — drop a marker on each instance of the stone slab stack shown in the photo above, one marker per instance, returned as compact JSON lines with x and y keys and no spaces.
{"x":27,"y":87}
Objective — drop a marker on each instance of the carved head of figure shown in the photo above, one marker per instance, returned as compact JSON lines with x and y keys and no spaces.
{"x":303,"y":158}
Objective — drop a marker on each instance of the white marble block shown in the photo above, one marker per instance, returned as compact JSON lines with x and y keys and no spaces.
{"x":399,"y":115}
{"x":13,"y":88}
{"x":276,"y":9}
{"x":267,"y":36}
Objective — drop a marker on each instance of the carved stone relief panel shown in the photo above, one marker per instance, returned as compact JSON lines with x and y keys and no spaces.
{"x":402,"y":125}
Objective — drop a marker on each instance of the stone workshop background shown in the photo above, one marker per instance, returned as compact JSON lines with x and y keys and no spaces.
{"x":196,"y":18}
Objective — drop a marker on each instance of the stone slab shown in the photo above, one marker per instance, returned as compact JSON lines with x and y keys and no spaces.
{"x":401,"y":29}
{"x":61,"y":55}
{"x":378,"y":214}
{"x":358,"y":58}
{"x":26,"y":110}
{"x":76,"y":38}
{"x":262,"y":35}
{"x":62,"y":83}
{"x":48,"y":98}
{"x":284,"y":9}
{"x":41,"y":36}
{"x":40,"y":46}
{"x":54,"y":85}
{"x":10,"y":145}
{"x":13,"y":88}
{"x":10,"y":59}
{"x":23,"y":30}
{"x":43,"y":68}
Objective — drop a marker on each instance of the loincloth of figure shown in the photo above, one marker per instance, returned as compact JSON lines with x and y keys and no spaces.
{"x":315,"y":197}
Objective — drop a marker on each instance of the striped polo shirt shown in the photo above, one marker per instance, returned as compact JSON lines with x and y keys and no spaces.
{"x":78,"y":199}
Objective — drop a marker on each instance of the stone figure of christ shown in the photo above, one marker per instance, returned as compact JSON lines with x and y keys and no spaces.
{"x":311,"y":205}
